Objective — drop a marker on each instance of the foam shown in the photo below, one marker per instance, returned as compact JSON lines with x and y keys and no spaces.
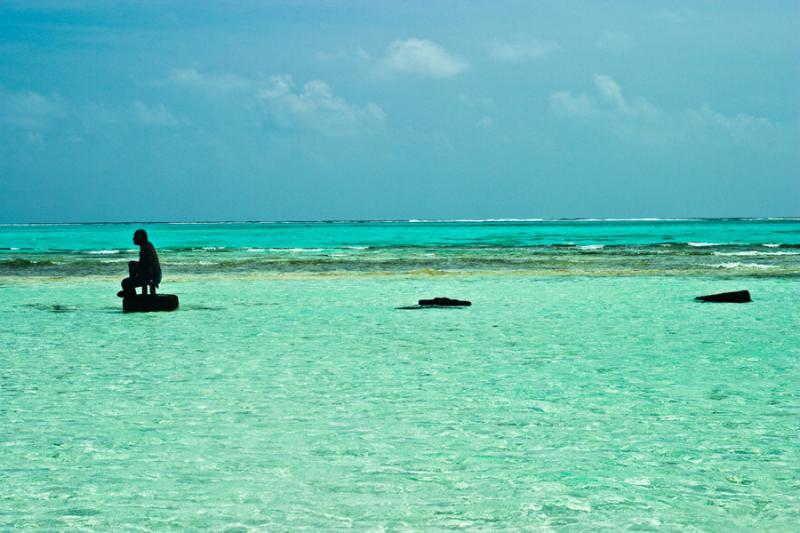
{"x":753,"y":253}
{"x":734,"y":265}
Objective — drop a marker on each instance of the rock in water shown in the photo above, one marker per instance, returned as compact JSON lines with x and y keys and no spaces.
{"x":444,"y":302}
{"x":149,"y":302}
{"x":736,"y":297}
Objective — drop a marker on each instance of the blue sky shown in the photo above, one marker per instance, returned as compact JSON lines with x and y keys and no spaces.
{"x":117,"y":111}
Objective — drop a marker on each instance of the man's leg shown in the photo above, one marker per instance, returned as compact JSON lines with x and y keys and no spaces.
{"x":128,"y":288}
{"x":129,"y":284}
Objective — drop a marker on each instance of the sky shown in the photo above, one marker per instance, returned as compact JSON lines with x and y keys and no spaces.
{"x":313,"y":110}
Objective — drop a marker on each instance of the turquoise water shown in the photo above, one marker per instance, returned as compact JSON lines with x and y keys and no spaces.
{"x":583,"y":247}
{"x":583,"y":390}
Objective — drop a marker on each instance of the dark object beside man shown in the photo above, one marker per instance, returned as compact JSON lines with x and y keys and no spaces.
{"x":149,"y":302}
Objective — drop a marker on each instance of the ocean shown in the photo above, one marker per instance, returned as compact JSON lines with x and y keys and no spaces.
{"x":584,"y":389}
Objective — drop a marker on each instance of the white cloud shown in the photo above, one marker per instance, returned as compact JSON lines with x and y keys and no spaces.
{"x":153,"y":115}
{"x":610,"y":101}
{"x":633,"y":119}
{"x":522,"y":49}
{"x":312,"y":107}
{"x":37,"y":113}
{"x":636,"y":119}
{"x":315,"y":108}
{"x":707,"y":125}
{"x":610,"y":91}
{"x":30,"y":110}
{"x":420,"y":57}
{"x":615,"y":41}
{"x":706,"y":115}
{"x":566,"y":103}
{"x":212,"y":82}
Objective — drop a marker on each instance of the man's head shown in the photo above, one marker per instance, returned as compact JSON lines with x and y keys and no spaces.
{"x":139,"y":237}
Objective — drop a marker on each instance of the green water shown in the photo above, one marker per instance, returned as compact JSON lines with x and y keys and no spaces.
{"x":299,"y":398}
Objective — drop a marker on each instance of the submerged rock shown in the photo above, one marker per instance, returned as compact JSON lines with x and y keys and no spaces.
{"x":736,"y":297}
{"x":149,"y":302}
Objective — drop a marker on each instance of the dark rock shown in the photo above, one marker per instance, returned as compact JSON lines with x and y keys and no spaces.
{"x":736,"y":297}
{"x":444,"y":302}
{"x":149,"y":302}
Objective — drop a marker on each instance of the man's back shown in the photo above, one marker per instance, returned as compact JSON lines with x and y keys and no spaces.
{"x":148,"y":262}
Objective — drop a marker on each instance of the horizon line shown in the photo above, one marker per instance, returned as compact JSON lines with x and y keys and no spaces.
{"x":410,"y":220}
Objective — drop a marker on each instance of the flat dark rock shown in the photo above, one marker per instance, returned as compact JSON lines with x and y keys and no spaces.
{"x":736,"y":297}
{"x":438,"y":302}
{"x":142,"y":303}
{"x":444,"y":302}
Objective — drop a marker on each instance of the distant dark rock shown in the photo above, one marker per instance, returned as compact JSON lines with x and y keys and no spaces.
{"x":444,"y":302}
{"x":438,"y":303}
{"x":736,"y":297}
{"x":149,"y":302}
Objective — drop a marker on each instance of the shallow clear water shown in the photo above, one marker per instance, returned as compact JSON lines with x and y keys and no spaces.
{"x":303,"y":399}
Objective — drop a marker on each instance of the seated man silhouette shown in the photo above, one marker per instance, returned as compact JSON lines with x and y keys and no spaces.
{"x":146,"y":271}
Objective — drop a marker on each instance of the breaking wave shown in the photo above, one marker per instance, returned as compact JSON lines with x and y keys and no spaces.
{"x":561,"y":259}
